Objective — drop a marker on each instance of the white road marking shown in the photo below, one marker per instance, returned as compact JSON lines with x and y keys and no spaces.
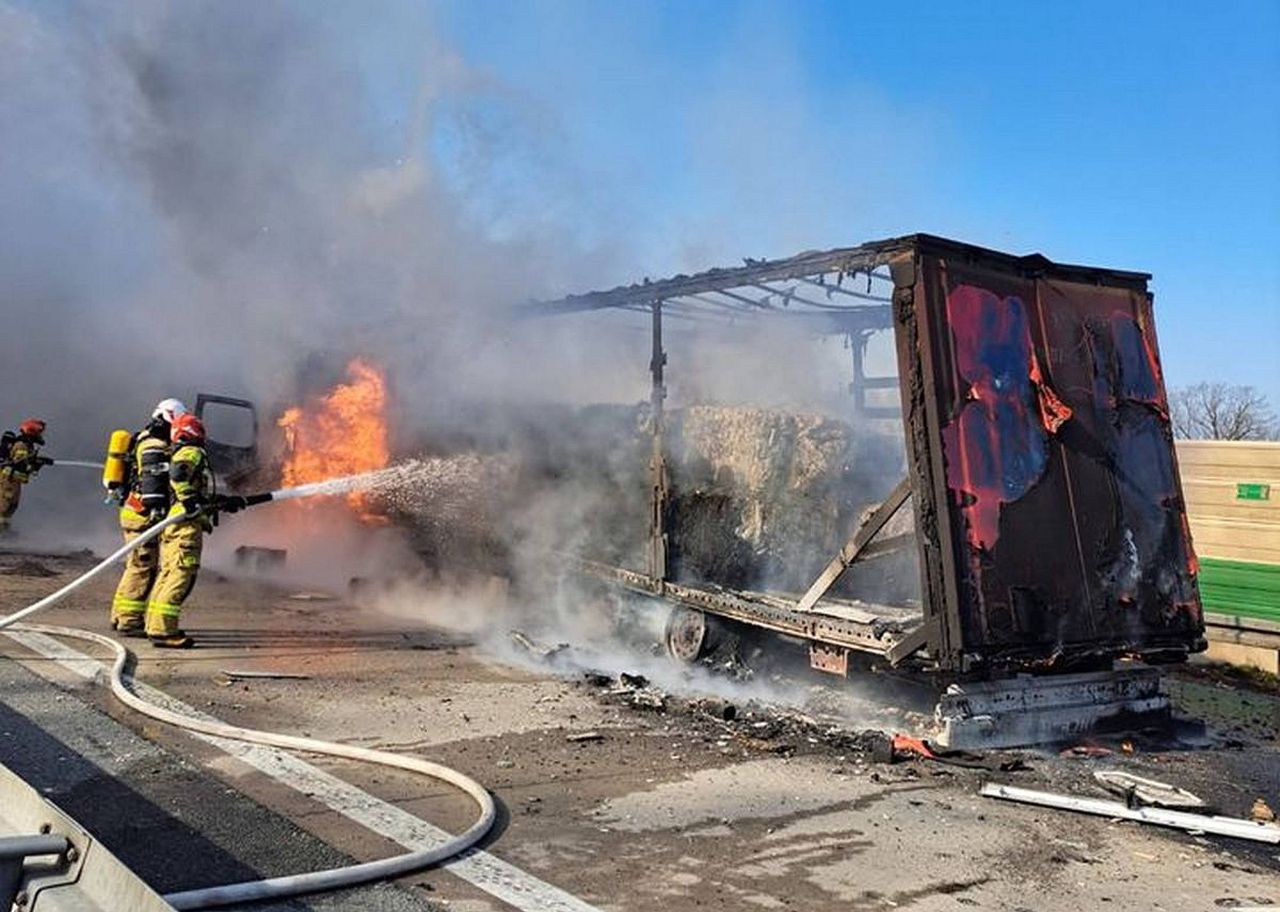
{"x":496,"y":877}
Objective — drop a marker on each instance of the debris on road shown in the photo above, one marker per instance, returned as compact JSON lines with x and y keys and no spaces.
{"x":1087,"y":751}
{"x":645,"y":698}
{"x":893,"y":748}
{"x":238,"y":675}
{"x":536,"y":649}
{"x":1193,"y":823}
{"x":581,"y":737}
{"x":256,"y":559}
{"x":717,"y":708}
{"x":906,"y":744}
{"x":1137,"y":791}
{"x":880,"y":747}
{"x":1261,"y":812}
{"x":28,"y":567}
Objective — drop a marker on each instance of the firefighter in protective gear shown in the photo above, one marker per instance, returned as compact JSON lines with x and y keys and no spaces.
{"x":20,"y":460}
{"x":146,"y":501}
{"x":192,"y":488}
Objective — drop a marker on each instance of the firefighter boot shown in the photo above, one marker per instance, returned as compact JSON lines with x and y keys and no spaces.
{"x":180,"y":547}
{"x":163,"y":630}
{"x":130,"y":601}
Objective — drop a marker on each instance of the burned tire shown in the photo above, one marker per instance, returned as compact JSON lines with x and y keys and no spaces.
{"x":690,"y":634}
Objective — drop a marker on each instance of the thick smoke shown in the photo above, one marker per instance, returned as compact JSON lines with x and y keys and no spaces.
{"x":202,"y":194}
{"x":237,"y":197}
{"x":220,"y":197}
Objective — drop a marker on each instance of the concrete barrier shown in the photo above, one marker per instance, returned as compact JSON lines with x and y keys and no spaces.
{"x":1232,"y":490}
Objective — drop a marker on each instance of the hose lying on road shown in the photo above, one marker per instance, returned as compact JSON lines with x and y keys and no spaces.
{"x":291,"y":884}
{"x":315,"y":881}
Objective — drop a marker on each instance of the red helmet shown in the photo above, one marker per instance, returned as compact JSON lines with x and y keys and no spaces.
{"x":187,"y":428}
{"x":33,"y":428}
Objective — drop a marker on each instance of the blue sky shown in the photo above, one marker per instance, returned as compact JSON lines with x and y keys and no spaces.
{"x":1135,"y":135}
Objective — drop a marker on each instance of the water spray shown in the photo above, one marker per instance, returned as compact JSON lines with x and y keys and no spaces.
{"x":378,"y":478}
{"x":78,"y":463}
{"x":342,"y":485}
{"x":293,"y":884}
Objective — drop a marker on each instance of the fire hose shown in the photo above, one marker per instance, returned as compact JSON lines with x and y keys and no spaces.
{"x":291,"y":884}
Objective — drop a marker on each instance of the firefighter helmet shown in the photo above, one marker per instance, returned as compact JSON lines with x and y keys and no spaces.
{"x":187,"y":428}
{"x":168,"y":409}
{"x":33,"y":428}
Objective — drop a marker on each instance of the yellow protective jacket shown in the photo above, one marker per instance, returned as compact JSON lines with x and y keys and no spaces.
{"x":19,"y":467}
{"x":191,"y":481}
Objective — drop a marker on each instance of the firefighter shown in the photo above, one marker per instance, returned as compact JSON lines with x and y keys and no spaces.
{"x":20,"y":460}
{"x":193,"y":496}
{"x":146,"y":501}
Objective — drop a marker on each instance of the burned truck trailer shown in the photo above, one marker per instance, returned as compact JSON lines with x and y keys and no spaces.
{"x":1040,"y":470}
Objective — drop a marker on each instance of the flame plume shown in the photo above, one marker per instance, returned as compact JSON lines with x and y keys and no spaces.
{"x":343,"y":432}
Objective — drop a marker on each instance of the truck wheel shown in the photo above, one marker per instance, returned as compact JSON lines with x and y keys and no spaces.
{"x":690,"y":634}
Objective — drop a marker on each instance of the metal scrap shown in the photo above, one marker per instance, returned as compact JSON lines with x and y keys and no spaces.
{"x":1195,"y":823}
{"x":260,"y":560}
{"x":536,"y":649}
{"x":238,"y":675}
{"x":1137,"y":791}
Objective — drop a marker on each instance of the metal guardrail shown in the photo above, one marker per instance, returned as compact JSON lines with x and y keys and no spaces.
{"x":1246,"y":631}
{"x":50,"y":863}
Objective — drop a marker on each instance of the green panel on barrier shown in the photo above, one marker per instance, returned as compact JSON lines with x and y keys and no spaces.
{"x":1240,"y":587}
{"x":1253,"y":491}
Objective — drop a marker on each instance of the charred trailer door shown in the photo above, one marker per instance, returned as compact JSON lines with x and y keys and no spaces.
{"x":1053,"y":529}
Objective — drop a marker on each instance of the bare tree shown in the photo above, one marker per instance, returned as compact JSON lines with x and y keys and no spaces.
{"x":1219,"y":411}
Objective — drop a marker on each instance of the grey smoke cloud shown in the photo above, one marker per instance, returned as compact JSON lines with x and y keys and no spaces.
{"x":229,"y":196}
{"x":236,"y":197}
{"x":204,"y":194}
{"x":208,"y":196}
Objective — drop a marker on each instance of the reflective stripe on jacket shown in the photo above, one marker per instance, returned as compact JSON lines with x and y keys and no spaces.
{"x":191,"y":480}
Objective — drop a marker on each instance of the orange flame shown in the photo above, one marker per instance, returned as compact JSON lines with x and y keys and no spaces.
{"x":341,"y":433}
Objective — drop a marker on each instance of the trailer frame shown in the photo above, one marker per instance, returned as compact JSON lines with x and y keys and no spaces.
{"x":928,"y":289}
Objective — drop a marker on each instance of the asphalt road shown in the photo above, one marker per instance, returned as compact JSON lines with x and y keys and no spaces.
{"x":604,"y":806}
{"x":175,"y":824}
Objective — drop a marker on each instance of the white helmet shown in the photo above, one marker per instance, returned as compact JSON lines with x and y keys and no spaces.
{"x":168,"y":409}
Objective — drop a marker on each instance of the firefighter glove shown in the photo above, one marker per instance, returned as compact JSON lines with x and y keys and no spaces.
{"x":231,"y":503}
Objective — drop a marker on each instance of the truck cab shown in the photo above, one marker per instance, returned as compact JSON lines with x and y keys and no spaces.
{"x":231,"y":427}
